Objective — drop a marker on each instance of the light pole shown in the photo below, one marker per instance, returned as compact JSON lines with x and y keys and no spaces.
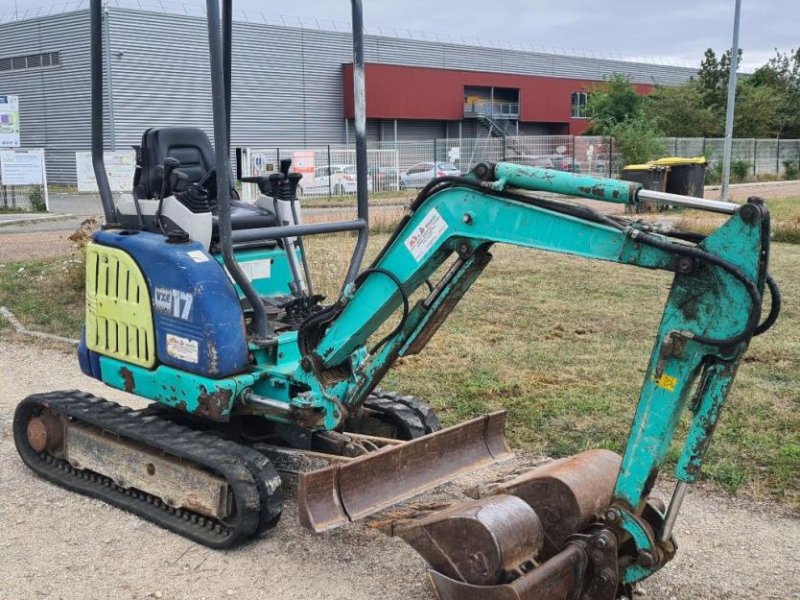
{"x":726,"y":159}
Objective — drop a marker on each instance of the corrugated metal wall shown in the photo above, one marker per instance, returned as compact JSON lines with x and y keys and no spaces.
{"x":286,"y":81}
{"x":54,"y":101}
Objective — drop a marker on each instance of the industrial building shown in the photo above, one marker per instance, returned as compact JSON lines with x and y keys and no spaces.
{"x":292,"y":86}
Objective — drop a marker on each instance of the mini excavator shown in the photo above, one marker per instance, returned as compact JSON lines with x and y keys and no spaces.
{"x":204,"y":305}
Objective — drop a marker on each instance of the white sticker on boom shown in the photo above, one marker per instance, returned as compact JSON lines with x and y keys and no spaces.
{"x":182,"y":348}
{"x":197,"y":256}
{"x":426,"y":234}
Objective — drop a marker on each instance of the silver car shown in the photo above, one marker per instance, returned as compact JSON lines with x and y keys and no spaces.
{"x":420,"y":174}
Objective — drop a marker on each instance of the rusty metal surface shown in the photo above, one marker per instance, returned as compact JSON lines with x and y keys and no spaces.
{"x":45,"y":432}
{"x":177,"y":483}
{"x":568,"y":493}
{"x":482,"y":542}
{"x":338,"y":494}
{"x":559,"y":578}
{"x":214,"y":404}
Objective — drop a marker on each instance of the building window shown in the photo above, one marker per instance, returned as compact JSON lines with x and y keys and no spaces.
{"x":579,"y":100}
{"x":30,"y":61}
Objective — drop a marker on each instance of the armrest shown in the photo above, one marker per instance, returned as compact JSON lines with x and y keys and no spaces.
{"x":262,"y":181}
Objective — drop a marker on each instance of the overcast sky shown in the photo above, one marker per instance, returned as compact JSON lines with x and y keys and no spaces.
{"x":674,"y":30}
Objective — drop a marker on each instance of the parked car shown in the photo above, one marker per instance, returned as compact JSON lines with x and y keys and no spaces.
{"x":418,"y":175}
{"x":337,"y":180}
{"x":383,"y":178}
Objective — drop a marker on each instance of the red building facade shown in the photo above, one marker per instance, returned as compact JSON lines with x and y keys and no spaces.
{"x":396,"y":92}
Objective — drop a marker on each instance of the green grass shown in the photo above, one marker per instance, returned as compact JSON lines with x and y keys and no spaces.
{"x":784,"y":213}
{"x":375,"y":199}
{"x":45,"y":295}
{"x":562,"y":343}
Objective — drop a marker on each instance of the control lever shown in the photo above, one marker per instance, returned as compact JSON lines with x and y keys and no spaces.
{"x":170,"y":164}
{"x":178,"y":182}
{"x":167,"y":170}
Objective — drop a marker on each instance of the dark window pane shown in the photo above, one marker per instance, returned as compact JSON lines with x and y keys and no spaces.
{"x":5,"y":64}
{"x":18,"y":62}
{"x":46,"y":59}
{"x":34,"y":60}
{"x":55,"y":59}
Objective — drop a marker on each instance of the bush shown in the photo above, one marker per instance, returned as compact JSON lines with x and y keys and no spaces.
{"x":36,"y":198}
{"x":792,"y":169}
{"x":638,"y":140}
{"x":714,"y":173}
{"x":740,"y":170}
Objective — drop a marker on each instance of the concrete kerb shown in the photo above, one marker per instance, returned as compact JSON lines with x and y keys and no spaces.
{"x":9,"y":219}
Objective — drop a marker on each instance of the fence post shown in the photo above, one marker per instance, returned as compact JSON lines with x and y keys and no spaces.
{"x":434,"y":157}
{"x":44,"y":182}
{"x":278,"y":159}
{"x":610,"y":154}
{"x":778,"y":155}
{"x":704,"y":146}
{"x":675,"y":147}
{"x":330,"y":177}
{"x":755,"y":153}
{"x":572,"y":138}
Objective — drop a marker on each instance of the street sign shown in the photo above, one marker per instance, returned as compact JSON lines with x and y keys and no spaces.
{"x":21,"y":167}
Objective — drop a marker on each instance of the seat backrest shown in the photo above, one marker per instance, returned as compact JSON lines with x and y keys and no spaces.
{"x":189,"y":145}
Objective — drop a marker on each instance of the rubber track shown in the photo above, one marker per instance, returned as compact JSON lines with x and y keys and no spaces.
{"x":415,"y":415}
{"x":255,"y":483}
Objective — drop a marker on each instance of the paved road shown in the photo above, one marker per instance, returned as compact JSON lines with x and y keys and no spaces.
{"x":56,"y":544}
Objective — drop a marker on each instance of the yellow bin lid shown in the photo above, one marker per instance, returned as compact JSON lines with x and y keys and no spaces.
{"x":676,"y":161}
{"x":644,"y":167}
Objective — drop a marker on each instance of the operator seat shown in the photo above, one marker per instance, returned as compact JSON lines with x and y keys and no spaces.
{"x":192,"y":148}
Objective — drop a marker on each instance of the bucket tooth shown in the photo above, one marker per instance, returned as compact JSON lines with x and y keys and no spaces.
{"x":482,"y":542}
{"x":344,"y":492}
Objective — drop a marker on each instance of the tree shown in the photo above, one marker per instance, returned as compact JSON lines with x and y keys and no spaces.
{"x":679,"y":111}
{"x":757,"y":111}
{"x":712,"y":79}
{"x":612,"y":102}
{"x":781,"y":75}
{"x":638,"y":139}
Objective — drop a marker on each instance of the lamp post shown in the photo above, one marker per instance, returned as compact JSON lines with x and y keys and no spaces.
{"x":726,"y":160}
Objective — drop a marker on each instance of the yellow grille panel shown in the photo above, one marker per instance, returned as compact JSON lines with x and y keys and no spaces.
{"x":119,"y":318}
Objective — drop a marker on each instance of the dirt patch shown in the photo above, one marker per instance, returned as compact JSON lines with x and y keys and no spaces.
{"x":28,"y":246}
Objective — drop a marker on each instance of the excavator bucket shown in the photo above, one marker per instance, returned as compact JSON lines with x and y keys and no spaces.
{"x":528,"y":538}
{"x":350,"y":490}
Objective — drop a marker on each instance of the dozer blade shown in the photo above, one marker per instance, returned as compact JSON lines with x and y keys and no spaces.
{"x":341,"y":493}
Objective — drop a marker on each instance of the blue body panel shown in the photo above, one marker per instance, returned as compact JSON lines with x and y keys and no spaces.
{"x":199,"y":325}
{"x":88,"y":360}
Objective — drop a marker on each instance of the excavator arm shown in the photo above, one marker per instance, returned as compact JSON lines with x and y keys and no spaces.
{"x":711,"y":313}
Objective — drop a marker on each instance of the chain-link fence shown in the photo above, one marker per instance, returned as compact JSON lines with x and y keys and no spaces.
{"x":393,"y":166}
{"x":329,"y":170}
{"x":23,"y":180}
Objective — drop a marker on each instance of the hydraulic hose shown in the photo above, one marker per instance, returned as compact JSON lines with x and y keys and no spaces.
{"x":584,"y":212}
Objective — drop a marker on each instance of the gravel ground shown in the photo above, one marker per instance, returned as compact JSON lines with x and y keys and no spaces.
{"x":56,"y":544}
